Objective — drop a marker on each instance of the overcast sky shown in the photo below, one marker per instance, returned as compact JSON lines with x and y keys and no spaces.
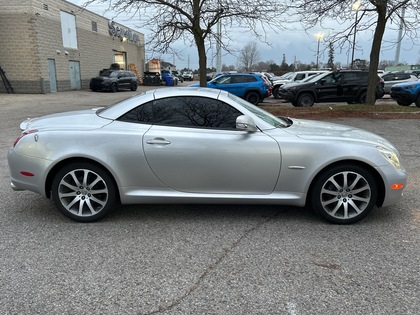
{"x":296,"y":44}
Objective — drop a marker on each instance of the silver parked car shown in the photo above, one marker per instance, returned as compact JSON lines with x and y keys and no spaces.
{"x":198,"y":145}
{"x":392,"y":78}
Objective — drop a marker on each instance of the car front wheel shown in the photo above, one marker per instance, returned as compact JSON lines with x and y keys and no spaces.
{"x":306,"y":100}
{"x":276,"y":91}
{"x":418,"y":101}
{"x":344,"y":194}
{"x":253,"y":98}
{"x":133,"y":86}
{"x":83,"y":192}
{"x":403,"y":103}
{"x":114,"y":87}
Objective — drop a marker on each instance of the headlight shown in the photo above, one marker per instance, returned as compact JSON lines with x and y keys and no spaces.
{"x":391,"y":156}
{"x":409,"y":87}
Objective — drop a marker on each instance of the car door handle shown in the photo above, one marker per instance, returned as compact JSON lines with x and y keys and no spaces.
{"x":160,"y":141}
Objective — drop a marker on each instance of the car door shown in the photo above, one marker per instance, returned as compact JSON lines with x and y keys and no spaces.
{"x":327,"y":88}
{"x":193,"y":147}
{"x":351,"y":84}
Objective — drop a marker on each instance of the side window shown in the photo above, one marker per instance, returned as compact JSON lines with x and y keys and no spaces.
{"x":140,"y":114}
{"x":329,"y":78}
{"x":195,"y":112}
{"x":299,"y":76}
{"x":250,"y":78}
{"x":223,"y":80}
{"x":192,"y":112}
{"x":388,"y":77}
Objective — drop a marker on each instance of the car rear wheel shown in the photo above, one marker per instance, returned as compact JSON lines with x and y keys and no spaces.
{"x":133,"y":86}
{"x":362,"y":98}
{"x":253,"y":97}
{"x":83,"y":192}
{"x":114,"y":87}
{"x":403,"y":103}
{"x":306,"y":100}
{"x":344,"y":194}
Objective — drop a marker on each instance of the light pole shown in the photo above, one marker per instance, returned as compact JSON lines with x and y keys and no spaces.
{"x":318,"y":36}
{"x":356,"y":6}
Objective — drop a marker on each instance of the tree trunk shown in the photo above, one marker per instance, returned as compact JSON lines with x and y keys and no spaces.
{"x":381,"y":8}
{"x":202,"y":62}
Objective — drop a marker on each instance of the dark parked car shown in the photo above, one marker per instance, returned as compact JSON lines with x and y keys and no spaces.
{"x":406,"y":93}
{"x":337,"y":86}
{"x":114,"y":80}
{"x":250,"y":86}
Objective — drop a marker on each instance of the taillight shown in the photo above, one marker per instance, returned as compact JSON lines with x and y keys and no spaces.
{"x":27,"y":132}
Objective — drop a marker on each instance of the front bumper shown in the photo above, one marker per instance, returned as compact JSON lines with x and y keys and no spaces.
{"x":405,"y":96}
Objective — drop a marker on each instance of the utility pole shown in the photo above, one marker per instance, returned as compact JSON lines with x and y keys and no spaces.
{"x":400,"y":32}
{"x":219,"y":48}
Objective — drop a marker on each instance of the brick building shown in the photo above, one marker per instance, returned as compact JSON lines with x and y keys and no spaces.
{"x":53,"y":45}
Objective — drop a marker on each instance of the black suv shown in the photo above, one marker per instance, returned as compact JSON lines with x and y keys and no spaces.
{"x":337,"y":86}
{"x":114,"y":80}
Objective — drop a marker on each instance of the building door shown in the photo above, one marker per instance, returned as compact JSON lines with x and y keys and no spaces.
{"x":75,"y":75}
{"x":52,"y":75}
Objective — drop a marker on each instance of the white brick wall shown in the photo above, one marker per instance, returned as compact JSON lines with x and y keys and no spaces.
{"x":30,"y":35}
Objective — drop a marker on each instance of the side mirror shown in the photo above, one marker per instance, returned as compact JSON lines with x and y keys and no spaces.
{"x":246,"y":123}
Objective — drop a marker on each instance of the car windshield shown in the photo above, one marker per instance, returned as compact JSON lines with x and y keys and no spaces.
{"x":287,"y":76}
{"x":316,"y":77}
{"x":262,"y":114}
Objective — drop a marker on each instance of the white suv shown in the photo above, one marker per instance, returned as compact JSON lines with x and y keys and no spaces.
{"x":293,"y":77}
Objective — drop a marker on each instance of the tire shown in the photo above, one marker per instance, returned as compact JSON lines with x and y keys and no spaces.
{"x":418,"y":101}
{"x":113,"y":88}
{"x":362,"y":98}
{"x":74,"y":196}
{"x":276,"y":91}
{"x":306,"y":100}
{"x":252,"y":97}
{"x":133,"y":86}
{"x":344,"y":194}
{"x":403,"y":103}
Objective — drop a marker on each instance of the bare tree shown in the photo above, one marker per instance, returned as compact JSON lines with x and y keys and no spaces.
{"x":173,"y":20}
{"x":372,"y":15}
{"x":249,"y":56}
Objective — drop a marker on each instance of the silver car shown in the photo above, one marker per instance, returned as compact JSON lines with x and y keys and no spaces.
{"x":392,"y":78}
{"x":198,"y":145}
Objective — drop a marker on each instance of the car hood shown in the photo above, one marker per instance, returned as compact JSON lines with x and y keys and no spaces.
{"x":310,"y":129}
{"x":282,"y":81}
{"x":79,"y":120}
{"x":409,"y":83}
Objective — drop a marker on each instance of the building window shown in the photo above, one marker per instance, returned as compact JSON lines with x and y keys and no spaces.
{"x":94,"y":26}
{"x":46,"y":7}
{"x":68,"y":30}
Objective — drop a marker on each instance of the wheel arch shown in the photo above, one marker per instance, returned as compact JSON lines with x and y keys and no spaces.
{"x":256,"y":90}
{"x":372,"y":170}
{"x":61,"y":164}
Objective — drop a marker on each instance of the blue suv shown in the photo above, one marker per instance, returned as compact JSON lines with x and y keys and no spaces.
{"x":406,"y":93}
{"x":250,"y":86}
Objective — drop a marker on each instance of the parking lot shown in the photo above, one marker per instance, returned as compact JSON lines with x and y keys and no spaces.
{"x":205,"y":259}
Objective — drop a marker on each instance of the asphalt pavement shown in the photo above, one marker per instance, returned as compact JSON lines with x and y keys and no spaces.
{"x":205,"y":259}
